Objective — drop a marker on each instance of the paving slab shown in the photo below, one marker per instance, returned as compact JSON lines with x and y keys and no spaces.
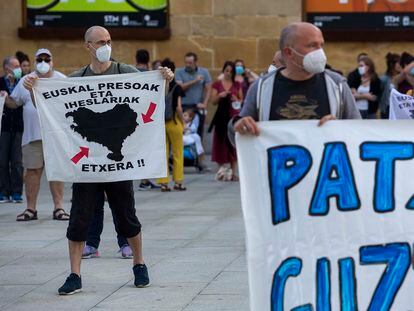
{"x":193,"y":245}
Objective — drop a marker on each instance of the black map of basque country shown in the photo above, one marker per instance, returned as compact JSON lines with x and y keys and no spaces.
{"x":109,"y":128}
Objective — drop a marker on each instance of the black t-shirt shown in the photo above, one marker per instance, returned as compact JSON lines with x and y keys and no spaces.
{"x":178,"y":91}
{"x":299,"y":100}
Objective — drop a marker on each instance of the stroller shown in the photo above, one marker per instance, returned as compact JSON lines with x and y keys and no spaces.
{"x":190,"y":158}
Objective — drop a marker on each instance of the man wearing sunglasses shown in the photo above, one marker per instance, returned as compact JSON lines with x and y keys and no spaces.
{"x":85,"y":197}
{"x":32,"y":151}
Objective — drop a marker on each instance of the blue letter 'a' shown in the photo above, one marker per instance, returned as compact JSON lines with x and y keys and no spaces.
{"x":335,"y":179}
{"x":287,"y":166}
{"x":385,"y":154}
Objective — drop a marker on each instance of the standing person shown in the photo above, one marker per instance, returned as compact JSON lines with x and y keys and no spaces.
{"x":244,"y":76}
{"x":228,"y":95}
{"x":354,"y":78}
{"x":174,"y":128}
{"x":300,"y":90}
{"x":120,"y":194}
{"x":90,"y":250}
{"x":196,"y":83}
{"x":156,"y":64}
{"x":389,"y":80}
{"x":405,"y":81}
{"x":368,"y":92}
{"x":32,"y":150}
{"x":11,"y":168}
{"x":142,"y":59}
{"x":24,"y":62}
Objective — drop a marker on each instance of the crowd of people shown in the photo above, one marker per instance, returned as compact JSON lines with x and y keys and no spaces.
{"x":297,"y":85}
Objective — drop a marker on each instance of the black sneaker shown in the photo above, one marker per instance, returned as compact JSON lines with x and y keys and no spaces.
{"x":72,"y":285}
{"x":141,"y":275}
{"x":148,"y":186}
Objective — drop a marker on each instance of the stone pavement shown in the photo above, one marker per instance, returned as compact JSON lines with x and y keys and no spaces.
{"x":193,"y":246}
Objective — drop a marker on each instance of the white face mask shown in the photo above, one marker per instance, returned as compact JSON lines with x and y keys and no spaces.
{"x":313,"y":62}
{"x":103,"y":54}
{"x":271,"y":68}
{"x":361,"y":70}
{"x":42,"y":68}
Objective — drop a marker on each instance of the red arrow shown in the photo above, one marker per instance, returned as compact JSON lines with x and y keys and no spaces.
{"x":84,"y":152}
{"x":146,"y":118}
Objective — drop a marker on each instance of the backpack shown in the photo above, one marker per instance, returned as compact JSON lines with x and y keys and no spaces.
{"x":169,"y":110}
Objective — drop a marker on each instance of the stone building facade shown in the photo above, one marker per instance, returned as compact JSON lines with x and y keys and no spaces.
{"x":216,"y":30}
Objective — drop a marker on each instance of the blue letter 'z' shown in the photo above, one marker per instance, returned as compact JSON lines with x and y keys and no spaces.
{"x":288,"y":165}
{"x":385,"y":154}
{"x":341,"y":186}
{"x":397,"y":258}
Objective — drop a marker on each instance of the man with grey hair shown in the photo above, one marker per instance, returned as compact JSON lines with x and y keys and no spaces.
{"x":301,"y":90}
{"x":11,"y":168}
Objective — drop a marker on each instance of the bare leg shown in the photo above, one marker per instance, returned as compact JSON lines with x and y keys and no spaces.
{"x":56,"y":188}
{"x":32,"y":186}
{"x":75,"y":255}
{"x":136,"y":245}
{"x":234,"y":167}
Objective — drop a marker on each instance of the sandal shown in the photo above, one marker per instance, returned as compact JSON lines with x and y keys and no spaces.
{"x":27,"y":215}
{"x":179,"y":187}
{"x":60,"y":216}
{"x":234,"y":178}
{"x":165,"y":188}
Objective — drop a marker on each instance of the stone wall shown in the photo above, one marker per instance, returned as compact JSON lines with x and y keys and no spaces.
{"x":217,"y":30}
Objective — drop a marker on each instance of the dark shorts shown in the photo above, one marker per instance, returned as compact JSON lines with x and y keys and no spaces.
{"x":85,"y":199}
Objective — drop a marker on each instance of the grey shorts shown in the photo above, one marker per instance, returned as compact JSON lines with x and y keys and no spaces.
{"x":33,"y":155}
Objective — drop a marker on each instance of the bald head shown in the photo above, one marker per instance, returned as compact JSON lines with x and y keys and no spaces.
{"x":95,"y":32}
{"x":295,"y":31}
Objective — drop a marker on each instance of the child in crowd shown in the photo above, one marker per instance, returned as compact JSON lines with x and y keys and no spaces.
{"x":190,"y":131}
{"x":190,"y":137}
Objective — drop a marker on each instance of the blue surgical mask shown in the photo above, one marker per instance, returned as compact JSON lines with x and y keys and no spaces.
{"x":239,"y":70}
{"x":412,"y":71}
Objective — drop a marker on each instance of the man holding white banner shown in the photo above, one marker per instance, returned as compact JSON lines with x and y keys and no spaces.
{"x":302,"y":90}
{"x":103,"y":112}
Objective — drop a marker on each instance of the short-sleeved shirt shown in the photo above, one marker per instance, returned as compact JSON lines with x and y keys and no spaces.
{"x":178,"y":92}
{"x":195,"y":94}
{"x":31,"y":123}
{"x":234,"y":90}
{"x":299,"y":100}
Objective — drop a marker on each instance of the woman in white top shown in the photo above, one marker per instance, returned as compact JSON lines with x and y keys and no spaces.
{"x":368,"y":92}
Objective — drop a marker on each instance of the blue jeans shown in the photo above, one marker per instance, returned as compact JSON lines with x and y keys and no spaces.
{"x":96,"y":225}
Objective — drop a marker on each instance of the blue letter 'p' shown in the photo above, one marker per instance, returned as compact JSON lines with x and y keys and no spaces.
{"x":287,"y":167}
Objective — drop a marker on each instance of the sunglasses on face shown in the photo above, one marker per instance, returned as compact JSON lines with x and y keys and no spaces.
{"x":46,"y":60}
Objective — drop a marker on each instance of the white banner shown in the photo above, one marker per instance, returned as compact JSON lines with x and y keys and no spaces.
{"x":401,"y":106}
{"x":329,"y":215}
{"x":103,"y":128}
{"x":2,"y":99}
